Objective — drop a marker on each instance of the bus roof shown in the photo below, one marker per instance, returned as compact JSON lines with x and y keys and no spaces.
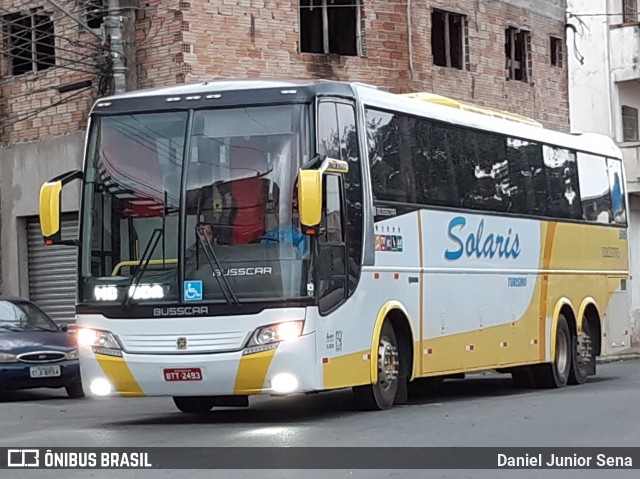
{"x":421,"y":104}
{"x":588,"y":142}
{"x":218,"y":86}
{"x":467,"y":106}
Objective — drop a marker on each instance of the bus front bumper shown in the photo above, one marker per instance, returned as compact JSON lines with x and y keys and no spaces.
{"x":289,"y":368}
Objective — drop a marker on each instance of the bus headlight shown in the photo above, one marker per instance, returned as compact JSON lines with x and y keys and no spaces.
{"x":102,"y":342}
{"x":276,"y":332}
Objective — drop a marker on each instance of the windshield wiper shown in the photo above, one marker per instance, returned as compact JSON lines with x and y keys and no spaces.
{"x":209,"y":252}
{"x":149,"y":248}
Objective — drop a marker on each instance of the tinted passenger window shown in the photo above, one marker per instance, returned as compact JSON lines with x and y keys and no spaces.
{"x":484,"y":170}
{"x":616,"y":184}
{"x":594,"y":188}
{"x":562,"y":183}
{"x":528,"y":181}
{"x":435,"y":172}
{"x":392,"y":173}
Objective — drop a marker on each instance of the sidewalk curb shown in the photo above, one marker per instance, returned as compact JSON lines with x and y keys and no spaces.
{"x":618,"y":358}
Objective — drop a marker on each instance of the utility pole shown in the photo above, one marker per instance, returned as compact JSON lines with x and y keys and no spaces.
{"x":113,"y":30}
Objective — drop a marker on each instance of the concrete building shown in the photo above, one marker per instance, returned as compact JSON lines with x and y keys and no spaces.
{"x":507,"y":54}
{"x":604,"y":90}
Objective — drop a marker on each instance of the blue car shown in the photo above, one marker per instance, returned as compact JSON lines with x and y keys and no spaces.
{"x":34,"y":351}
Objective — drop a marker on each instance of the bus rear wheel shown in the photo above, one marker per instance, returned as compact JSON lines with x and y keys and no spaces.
{"x":556,"y":374}
{"x":583,"y":357}
{"x":382,"y":394}
{"x":194,"y":405}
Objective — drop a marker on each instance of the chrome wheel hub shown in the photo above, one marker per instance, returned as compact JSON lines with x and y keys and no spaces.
{"x":388,"y":364}
{"x":562,"y":353}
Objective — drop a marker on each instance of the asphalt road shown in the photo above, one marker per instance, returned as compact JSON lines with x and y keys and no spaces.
{"x":478,"y":411}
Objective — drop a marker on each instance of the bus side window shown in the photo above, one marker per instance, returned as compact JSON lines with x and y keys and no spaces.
{"x":332,"y":273}
{"x":616,"y":183}
{"x":527,"y":177}
{"x":562,"y":177}
{"x":595,"y":194}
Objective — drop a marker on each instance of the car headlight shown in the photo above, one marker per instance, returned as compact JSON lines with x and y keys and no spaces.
{"x":8,"y":358}
{"x":101,"y":342}
{"x":72,"y":355}
{"x":276,"y":333}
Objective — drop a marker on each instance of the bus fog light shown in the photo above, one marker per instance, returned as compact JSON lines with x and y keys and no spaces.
{"x":100,"y":387}
{"x":284,"y":383}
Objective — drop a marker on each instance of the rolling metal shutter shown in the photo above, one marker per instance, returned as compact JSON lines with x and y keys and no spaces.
{"x":52,"y":270}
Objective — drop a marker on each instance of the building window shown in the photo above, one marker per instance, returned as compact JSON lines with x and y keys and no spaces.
{"x":518,"y":54}
{"x":449,"y":37}
{"x":629,"y":11}
{"x":557,"y":52}
{"x":629,"y":123}
{"x":330,"y":26}
{"x":95,"y":13}
{"x":30,"y":43}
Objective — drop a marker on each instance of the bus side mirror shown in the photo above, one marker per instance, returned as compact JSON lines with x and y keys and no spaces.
{"x":50,"y":208}
{"x":310,"y":193}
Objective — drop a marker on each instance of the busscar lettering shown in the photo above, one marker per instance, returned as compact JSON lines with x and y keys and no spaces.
{"x":257,"y":271}
{"x":181,"y":311}
{"x":478,"y":245}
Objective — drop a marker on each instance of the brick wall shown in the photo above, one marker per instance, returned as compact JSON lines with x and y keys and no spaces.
{"x":194,"y":40}
{"x":30,"y":106}
{"x":260,"y":38}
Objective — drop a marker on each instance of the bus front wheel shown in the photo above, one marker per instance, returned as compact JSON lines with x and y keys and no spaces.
{"x":382,"y":394}
{"x":194,"y":405}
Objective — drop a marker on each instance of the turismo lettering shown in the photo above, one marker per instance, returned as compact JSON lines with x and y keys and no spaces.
{"x":475,"y":244}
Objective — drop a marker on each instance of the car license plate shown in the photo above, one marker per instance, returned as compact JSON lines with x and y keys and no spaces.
{"x":183,"y":374}
{"x":52,"y":371}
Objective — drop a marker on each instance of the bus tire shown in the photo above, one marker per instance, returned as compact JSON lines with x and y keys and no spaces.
{"x":556,"y":374}
{"x":194,"y":405}
{"x":581,"y":365}
{"x":381,"y":395}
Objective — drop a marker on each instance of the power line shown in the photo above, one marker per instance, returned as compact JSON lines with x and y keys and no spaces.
{"x":35,"y":113}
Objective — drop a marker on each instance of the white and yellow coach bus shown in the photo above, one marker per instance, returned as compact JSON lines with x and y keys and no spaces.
{"x":274,"y":237}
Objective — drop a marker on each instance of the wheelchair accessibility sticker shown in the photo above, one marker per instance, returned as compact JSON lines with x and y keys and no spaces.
{"x":192,"y":291}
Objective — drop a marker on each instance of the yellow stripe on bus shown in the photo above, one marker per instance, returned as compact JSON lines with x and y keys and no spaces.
{"x":347,"y":370}
{"x":118,"y":372}
{"x":546,"y":261}
{"x":252,"y":372}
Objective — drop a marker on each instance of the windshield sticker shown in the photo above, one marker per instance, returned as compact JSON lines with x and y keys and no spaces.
{"x":193,"y":290}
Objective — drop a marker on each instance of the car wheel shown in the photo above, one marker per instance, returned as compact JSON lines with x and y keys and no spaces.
{"x":75,"y":391}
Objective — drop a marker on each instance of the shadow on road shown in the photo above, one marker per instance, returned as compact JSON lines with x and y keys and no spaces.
{"x":32,"y":395}
{"x":302,"y":408}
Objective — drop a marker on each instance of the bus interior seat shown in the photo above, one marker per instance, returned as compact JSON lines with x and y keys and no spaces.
{"x":249,"y":193}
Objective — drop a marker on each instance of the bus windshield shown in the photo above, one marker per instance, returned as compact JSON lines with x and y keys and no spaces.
{"x":231,"y":196}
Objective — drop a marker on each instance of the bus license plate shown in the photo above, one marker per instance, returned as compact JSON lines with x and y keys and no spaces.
{"x":52,"y":371}
{"x":183,"y":374}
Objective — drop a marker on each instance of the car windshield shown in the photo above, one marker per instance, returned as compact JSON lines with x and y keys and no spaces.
{"x":20,"y":316}
{"x":236,"y":206}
